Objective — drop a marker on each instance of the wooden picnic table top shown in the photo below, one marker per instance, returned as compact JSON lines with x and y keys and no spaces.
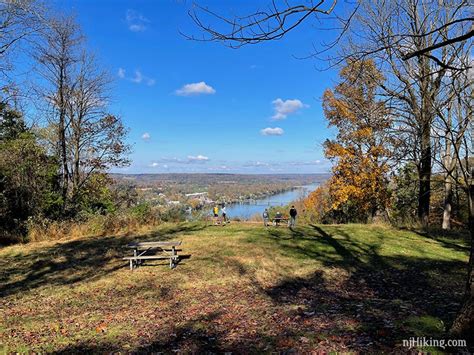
{"x":154,"y":244}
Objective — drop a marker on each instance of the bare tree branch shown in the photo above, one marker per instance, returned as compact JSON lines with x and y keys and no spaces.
{"x":441,"y":44}
{"x":267,"y":25}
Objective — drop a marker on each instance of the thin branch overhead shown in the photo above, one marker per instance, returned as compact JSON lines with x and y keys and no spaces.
{"x":260,"y":26}
{"x":465,"y":36}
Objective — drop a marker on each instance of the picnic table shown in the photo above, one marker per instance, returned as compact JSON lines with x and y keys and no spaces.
{"x":277,"y":220}
{"x":161,"y":250}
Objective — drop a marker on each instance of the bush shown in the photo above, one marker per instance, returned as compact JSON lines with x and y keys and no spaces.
{"x":28,"y":185}
{"x":404,"y":188}
{"x":142,"y":212}
{"x":173,"y":214}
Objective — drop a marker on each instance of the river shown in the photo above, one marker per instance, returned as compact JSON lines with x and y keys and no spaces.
{"x":247,"y":209}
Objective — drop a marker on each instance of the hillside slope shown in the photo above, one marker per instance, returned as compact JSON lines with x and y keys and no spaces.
{"x":243,"y":288}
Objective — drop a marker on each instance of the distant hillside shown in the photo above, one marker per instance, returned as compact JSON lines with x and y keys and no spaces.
{"x":211,"y":179}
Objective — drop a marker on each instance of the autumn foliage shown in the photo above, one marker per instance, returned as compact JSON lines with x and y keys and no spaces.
{"x":358,"y":189}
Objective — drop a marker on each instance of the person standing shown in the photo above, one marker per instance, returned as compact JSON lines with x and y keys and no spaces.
{"x":265,"y":216}
{"x":224,"y":215}
{"x":293,"y":214}
{"x":189,"y":214}
{"x":277,"y":220}
{"x":215,"y":211}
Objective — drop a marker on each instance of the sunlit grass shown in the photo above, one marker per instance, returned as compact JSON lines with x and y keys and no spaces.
{"x":240,"y":284}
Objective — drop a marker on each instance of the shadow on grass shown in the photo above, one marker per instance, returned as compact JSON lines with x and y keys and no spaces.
{"x":360,"y":301}
{"x":448,"y":239}
{"x":191,"y":335}
{"x":381,"y":294}
{"x":75,"y":261}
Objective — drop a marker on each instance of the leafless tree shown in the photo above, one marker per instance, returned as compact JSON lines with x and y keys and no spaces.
{"x":88,"y":139}
{"x":451,"y":128}
{"x":58,"y":57}
{"x":95,"y":138}
{"x":454,"y":124}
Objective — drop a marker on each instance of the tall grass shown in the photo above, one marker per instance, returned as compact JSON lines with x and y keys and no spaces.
{"x":137,"y":218}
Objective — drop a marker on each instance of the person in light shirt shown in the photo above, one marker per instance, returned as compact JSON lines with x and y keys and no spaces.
{"x":224,"y":215}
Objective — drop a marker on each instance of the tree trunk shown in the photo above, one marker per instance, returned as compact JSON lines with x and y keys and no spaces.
{"x":425,"y":175}
{"x":448,"y":199}
{"x":76,"y":180}
{"x":65,"y":172}
{"x":62,"y":135}
{"x":448,"y":189}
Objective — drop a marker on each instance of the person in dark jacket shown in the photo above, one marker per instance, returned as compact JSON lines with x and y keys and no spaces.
{"x":277,"y":219}
{"x":293,"y":214}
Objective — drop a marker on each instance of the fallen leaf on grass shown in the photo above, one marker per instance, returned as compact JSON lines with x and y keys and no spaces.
{"x":101,"y":328}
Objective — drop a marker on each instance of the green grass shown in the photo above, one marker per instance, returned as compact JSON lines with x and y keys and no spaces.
{"x":243,"y":288}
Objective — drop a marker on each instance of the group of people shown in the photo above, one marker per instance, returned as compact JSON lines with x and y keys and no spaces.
{"x":215,"y":212}
{"x":279,"y":217}
{"x":266,"y":216}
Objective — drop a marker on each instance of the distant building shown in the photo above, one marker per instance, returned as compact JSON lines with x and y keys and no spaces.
{"x":196,"y":195}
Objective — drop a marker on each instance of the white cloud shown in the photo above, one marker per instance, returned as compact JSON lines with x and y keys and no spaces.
{"x":138,"y":77}
{"x":285,"y":108}
{"x":256,"y":164}
{"x":146,"y":136}
{"x":220,"y":168}
{"x":137,"y":27}
{"x":305,"y":163}
{"x":197,"y":158}
{"x":154,"y":165}
{"x":136,"y":21}
{"x":195,"y":89}
{"x":191,"y":159}
{"x":269,"y":131}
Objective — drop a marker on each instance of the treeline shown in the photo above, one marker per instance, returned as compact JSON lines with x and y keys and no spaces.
{"x":379,"y":169}
{"x":57,"y":134}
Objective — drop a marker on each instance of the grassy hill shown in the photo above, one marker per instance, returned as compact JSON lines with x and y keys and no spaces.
{"x":243,"y":289}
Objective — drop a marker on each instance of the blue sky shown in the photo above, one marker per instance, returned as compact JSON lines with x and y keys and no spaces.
{"x":203,"y":107}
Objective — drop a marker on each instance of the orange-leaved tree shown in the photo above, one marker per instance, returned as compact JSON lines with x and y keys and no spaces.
{"x":358,"y":188}
{"x":317,"y":205}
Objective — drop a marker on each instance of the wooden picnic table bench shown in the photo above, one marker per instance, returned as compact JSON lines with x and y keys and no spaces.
{"x":276,"y":221}
{"x":163,"y":250}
